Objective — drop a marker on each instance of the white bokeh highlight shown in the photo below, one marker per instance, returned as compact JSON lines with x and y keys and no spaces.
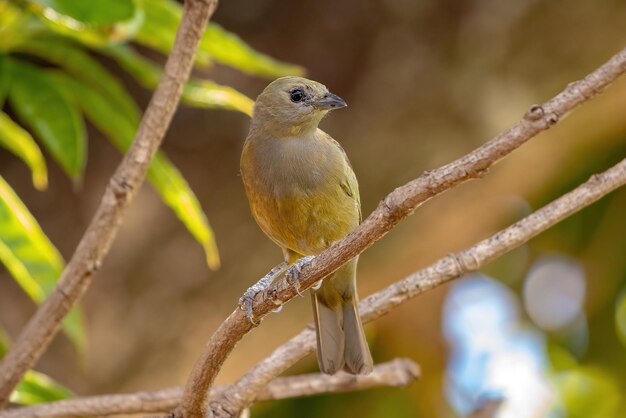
{"x":493,"y":355}
{"x":554,"y":292}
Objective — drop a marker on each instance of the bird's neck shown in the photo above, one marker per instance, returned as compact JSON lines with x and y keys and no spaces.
{"x":269,"y":125}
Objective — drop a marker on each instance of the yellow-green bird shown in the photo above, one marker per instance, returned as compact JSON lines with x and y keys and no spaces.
{"x":304,"y":196}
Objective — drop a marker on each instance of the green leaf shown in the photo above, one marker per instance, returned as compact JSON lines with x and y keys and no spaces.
{"x":39,"y":388}
{"x":228,"y":49}
{"x":81,"y":65}
{"x":199,"y":93}
{"x":15,"y":25}
{"x":205,"y":93}
{"x":99,"y":27}
{"x":46,"y":111}
{"x":159,"y":30}
{"x":178,"y":195}
{"x":31,"y":258}
{"x":167,"y":180}
{"x":101,"y":12}
{"x":159,"y":27}
{"x":22,"y":144}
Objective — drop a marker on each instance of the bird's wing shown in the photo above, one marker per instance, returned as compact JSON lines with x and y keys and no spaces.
{"x":351,"y":187}
{"x":349,"y":183}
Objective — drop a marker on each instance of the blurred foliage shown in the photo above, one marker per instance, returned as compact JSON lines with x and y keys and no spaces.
{"x":31,"y":258}
{"x":199,"y":93}
{"x":51,"y":81}
{"x":21,"y":143}
{"x":588,"y":393}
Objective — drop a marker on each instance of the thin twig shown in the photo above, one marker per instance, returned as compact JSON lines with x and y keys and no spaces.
{"x":243,"y":392}
{"x":396,"y":206}
{"x":398,"y":372}
{"x":124,"y":184}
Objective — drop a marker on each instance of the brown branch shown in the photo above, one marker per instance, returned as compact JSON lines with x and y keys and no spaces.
{"x":396,"y":206}
{"x":241,"y":394}
{"x":257,"y":384}
{"x":398,"y":372}
{"x":124,"y":184}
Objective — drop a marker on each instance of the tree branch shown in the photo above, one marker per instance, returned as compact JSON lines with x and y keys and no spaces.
{"x":124,"y":184}
{"x":241,"y":394}
{"x":398,"y":372}
{"x":257,"y":384}
{"x":396,"y":206}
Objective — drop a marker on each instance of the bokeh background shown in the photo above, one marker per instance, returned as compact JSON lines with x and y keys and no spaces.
{"x":542,"y":329}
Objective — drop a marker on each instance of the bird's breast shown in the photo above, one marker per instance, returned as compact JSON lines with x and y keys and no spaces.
{"x":295,"y":194}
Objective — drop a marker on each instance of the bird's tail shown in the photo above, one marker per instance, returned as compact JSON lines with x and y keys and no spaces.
{"x":340,"y":339}
{"x":356,"y":351}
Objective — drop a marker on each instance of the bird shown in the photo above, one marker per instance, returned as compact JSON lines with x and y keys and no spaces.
{"x":304,"y":196}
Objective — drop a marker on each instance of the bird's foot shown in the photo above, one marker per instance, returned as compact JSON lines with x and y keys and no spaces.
{"x":295,"y":270}
{"x":246,"y":301}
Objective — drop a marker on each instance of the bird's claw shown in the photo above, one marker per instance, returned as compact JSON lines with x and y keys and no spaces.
{"x":295,"y":270}
{"x":245,"y":304}
{"x":246,"y":301}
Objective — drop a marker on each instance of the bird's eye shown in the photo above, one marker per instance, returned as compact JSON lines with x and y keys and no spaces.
{"x":297,"y":95}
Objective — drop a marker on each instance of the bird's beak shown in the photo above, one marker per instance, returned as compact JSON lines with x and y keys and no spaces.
{"x":329,"y":102}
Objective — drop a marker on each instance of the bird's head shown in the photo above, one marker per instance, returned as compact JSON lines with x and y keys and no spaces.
{"x":292,"y":106}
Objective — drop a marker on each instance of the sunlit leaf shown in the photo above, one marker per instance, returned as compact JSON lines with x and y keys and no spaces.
{"x":34,"y":261}
{"x":159,"y":29}
{"x":178,"y":195}
{"x":31,"y":258}
{"x":81,"y":65}
{"x":37,"y":388}
{"x":199,"y":93}
{"x":101,"y":12}
{"x":227,"y":48}
{"x":99,"y":28}
{"x":205,"y":93}
{"x":15,"y":25}
{"x":22,"y":144}
{"x":43,"y":108}
{"x":168,"y":181}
